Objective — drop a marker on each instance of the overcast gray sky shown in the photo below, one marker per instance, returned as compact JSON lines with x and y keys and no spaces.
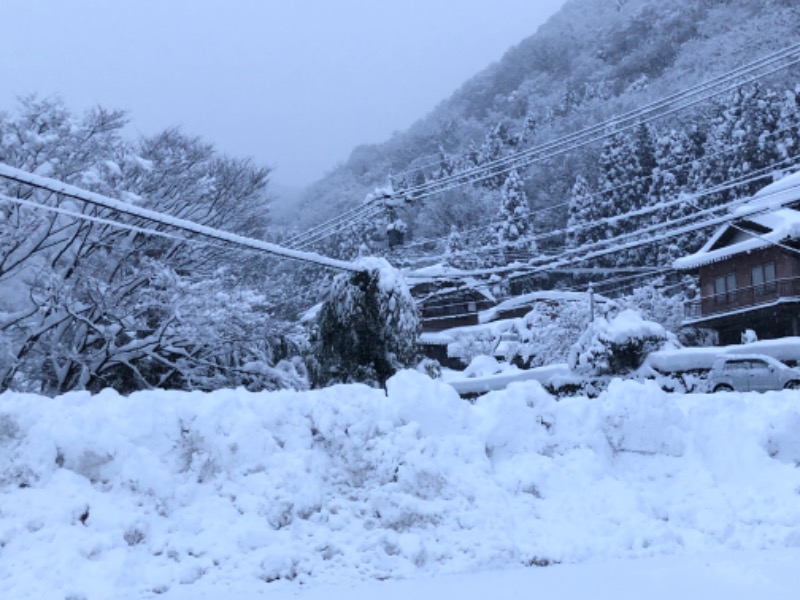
{"x":296,"y":84}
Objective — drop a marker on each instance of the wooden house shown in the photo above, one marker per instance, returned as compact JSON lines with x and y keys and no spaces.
{"x":749,"y":270}
{"x":445,"y":304}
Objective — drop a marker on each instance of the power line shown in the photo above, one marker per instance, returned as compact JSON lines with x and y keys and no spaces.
{"x":301,"y":238}
{"x":679,"y":101}
{"x":731,"y":184}
{"x":69,"y":191}
{"x":367,"y":215}
{"x":580,"y":254}
{"x":598,"y":193}
{"x":616,"y":124}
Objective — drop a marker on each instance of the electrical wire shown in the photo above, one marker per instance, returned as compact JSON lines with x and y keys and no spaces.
{"x":599,"y":193}
{"x":609,"y":128}
{"x":619,"y":123}
{"x":85,"y":196}
{"x":725,"y":186}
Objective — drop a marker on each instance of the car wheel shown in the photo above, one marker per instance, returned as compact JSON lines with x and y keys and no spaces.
{"x":723,"y":387}
{"x":792,"y":385}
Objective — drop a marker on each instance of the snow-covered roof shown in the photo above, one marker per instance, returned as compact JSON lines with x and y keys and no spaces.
{"x":768,"y":210}
{"x":775,"y":195}
{"x":533,"y":297}
{"x":780,"y":225}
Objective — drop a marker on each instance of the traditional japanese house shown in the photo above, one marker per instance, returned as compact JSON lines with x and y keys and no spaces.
{"x":749,"y":270}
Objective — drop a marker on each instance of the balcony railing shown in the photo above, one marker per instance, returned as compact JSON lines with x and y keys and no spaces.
{"x":746,"y":297}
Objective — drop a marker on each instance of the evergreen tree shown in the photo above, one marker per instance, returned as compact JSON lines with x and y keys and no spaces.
{"x":455,"y":243}
{"x":788,"y":136}
{"x":495,"y":146}
{"x":582,"y":212}
{"x":367,"y":327}
{"x":514,"y":232}
{"x":670,"y":182}
{"x":627,"y":163}
{"x":743,"y":140}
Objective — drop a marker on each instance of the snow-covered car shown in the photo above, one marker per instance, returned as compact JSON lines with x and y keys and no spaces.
{"x":751,"y":373}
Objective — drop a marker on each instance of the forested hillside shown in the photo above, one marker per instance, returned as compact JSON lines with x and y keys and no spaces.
{"x":593,"y":60}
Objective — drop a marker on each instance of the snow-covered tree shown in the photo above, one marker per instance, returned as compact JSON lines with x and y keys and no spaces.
{"x":367,"y":327}
{"x":515,"y":226}
{"x":86,"y":304}
{"x":582,"y":213}
{"x":617,"y":346}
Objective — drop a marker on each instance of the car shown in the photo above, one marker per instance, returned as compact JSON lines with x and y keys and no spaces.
{"x":751,"y":373}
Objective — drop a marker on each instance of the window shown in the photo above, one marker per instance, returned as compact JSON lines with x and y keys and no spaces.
{"x":764,"y":279}
{"x":736,"y":365}
{"x":725,"y":289}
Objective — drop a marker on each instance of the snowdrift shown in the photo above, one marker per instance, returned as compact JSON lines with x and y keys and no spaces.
{"x":158,"y":493}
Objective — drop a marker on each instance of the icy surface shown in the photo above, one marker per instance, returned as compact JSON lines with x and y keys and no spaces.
{"x":190,"y":495}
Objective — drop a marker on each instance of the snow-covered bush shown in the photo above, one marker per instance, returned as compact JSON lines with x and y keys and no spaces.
{"x":367,"y":327}
{"x":431,"y":368}
{"x":617,"y":346}
{"x":665,"y":305}
{"x":482,"y":366}
{"x":468,"y":345}
{"x":548,"y":331}
{"x":655,"y":304}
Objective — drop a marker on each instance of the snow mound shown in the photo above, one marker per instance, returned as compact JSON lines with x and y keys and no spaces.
{"x":170,"y":493}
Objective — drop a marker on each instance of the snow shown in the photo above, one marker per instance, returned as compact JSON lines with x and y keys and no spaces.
{"x":389,"y":278}
{"x":630,"y":324}
{"x":322,"y":494}
{"x":541,"y":296}
{"x":730,"y":575}
{"x":59,"y":187}
{"x":689,"y":359}
{"x":784,"y":190}
{"x":783,"y":224}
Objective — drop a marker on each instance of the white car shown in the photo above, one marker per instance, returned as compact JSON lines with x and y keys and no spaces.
{"x":751,"y":373}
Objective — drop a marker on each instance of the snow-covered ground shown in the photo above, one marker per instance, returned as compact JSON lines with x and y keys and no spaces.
{"x":732,"y":575}
{"x":348,"y":492}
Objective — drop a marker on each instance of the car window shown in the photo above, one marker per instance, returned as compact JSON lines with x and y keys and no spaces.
{"x":736,"y":365}
{"x":759,"y":364}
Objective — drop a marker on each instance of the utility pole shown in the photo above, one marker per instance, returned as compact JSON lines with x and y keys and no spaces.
{"x":591,"y":303}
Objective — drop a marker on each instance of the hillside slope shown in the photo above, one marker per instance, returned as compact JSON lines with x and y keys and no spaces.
{"x":592,"y":60}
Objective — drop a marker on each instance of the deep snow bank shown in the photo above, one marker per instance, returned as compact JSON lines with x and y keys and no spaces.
{"x":104,"y":496}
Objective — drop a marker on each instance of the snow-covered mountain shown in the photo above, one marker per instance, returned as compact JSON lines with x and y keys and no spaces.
{"x":592,"y":60}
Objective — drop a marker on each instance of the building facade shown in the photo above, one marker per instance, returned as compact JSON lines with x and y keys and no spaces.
{"x":749,"y":270}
